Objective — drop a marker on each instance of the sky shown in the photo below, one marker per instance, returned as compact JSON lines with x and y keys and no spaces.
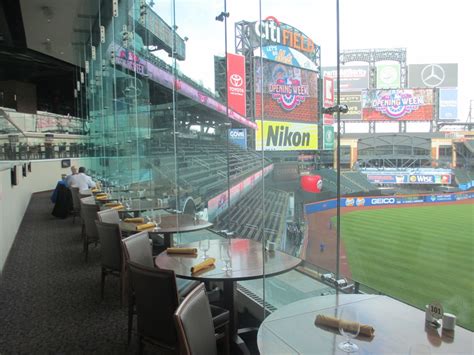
{"x":432,"y":31}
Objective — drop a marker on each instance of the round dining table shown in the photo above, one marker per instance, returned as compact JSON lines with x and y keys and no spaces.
{"x":135,"y":206}
{"x":248,"y":260}
{"x":170,"y":224}
{"x":399,"y":328}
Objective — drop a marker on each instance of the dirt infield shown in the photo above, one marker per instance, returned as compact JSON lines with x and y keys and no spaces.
{"x":320,"y":240}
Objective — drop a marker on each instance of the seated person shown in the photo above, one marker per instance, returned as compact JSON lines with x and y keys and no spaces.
{"x":81,"y":180}
{"x":73,"y":172}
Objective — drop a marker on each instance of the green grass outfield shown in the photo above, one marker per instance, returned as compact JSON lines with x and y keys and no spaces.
{"x":415,"y":254}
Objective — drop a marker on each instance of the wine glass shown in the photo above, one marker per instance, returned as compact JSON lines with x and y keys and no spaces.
{"x":159,"y":202}
{"x":204,"y":247}
{"x":157,"y":219}
{"x":349,"y":327}
{"x":149,"y":216}
{"x":225,"y":255}
{"x":128,"y":204}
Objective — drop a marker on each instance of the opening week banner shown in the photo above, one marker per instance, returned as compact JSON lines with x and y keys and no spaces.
{"x":397,"y":105}
{"x":289,"y":93}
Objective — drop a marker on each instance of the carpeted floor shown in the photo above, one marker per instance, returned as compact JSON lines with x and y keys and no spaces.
{"x":50,"y":297}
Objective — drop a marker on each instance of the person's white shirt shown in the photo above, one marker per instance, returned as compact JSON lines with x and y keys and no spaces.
{"x":82,"y":181}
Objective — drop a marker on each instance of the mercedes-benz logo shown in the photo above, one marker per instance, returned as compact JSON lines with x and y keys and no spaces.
{"x":236,"y":80}
{"x":432,"y":75}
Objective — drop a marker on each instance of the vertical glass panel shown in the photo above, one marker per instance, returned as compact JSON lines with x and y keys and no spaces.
{"x":393,"y":241}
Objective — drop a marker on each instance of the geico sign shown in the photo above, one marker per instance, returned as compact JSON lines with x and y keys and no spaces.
{"x":237,"y":134}
{"x":382,"y":201}
{"x":288,"y":136}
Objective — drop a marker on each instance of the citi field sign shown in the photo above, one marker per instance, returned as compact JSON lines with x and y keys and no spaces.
{"x":272,"y":31}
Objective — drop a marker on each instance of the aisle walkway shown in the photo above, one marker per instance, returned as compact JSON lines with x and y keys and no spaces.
{"x":50,"y":298}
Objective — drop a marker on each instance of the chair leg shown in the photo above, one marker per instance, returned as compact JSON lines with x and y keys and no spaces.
{"x":226,"y":340}
{"x":86,"y":248}
{"x":102,"y":284}
{"x":130,"y":317}
{"x":140,"y":345}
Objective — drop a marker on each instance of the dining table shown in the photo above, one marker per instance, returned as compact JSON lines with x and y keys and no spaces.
{"x":135,"y":206}
{"x":248,"y":260}
{"x":399,"y":328}
{"x":169,"y":225}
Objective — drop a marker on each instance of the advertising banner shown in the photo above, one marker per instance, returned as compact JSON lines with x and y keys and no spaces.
{"x":328,"y":137}
{"x":397,"y":105}
{"x":236,"y":94}
{"x":238,"y":137}
{"x":286,"y":55}
{"x":328,"y":98}
{"x":448,"y":104}
{"x":433,"y":75}
{"x":388,"y":76}
{"x":352,"y":100}
{"x":409,"y":178}
{"x":286,"y":136}
{"x":353,"y":78}
{"x":386,"y":200}
{"x":289,"y":93}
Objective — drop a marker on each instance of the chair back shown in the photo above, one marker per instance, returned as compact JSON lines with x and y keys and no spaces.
{"x":137,"y":249}
{"x":194,"y":324}
{"x":110,"y":245}
{"x":89,"y":215}
{"x":89,"y":200}
{"x":75,"y":198}
{"x":109,"y":216}
{"x":156,"y":299}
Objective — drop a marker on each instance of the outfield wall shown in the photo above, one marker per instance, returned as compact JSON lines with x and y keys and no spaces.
{"x":372,"y":201}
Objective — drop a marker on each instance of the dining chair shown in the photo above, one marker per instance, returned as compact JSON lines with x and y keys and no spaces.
{"x":111,"y":254}
{"x":138,"y":249}
{"x":193,"y":318}
{"x":109,"y":216}
{"x":89,"y":216}
{"x":75,"y":203}
{"x":152,"y":287}
{"x":156,"y":298}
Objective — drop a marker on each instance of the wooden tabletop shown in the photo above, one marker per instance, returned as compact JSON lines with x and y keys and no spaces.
{"x":247,"y":259}
{"x":172,"y":223}
{"x":398,"y":328}
{"x":136,"y":205}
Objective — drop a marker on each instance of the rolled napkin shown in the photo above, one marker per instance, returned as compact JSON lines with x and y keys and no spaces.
{"x":95,"y":190}
{"x":112,"y":204}
{"x":144,"y":226}
{"x":118,"y":207}
{"x":203,"y":265}
{"x":101,"y":198}
{"x":100,"y":194}
{"x":181,"y":250}
{"x":134,"y":220}
{"x":332,"y":322}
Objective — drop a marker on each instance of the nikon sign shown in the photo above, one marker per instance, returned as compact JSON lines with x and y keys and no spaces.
{"x":286,"y":136}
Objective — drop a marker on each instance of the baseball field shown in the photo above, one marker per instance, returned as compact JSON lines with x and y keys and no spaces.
{"x":415,"y":254}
